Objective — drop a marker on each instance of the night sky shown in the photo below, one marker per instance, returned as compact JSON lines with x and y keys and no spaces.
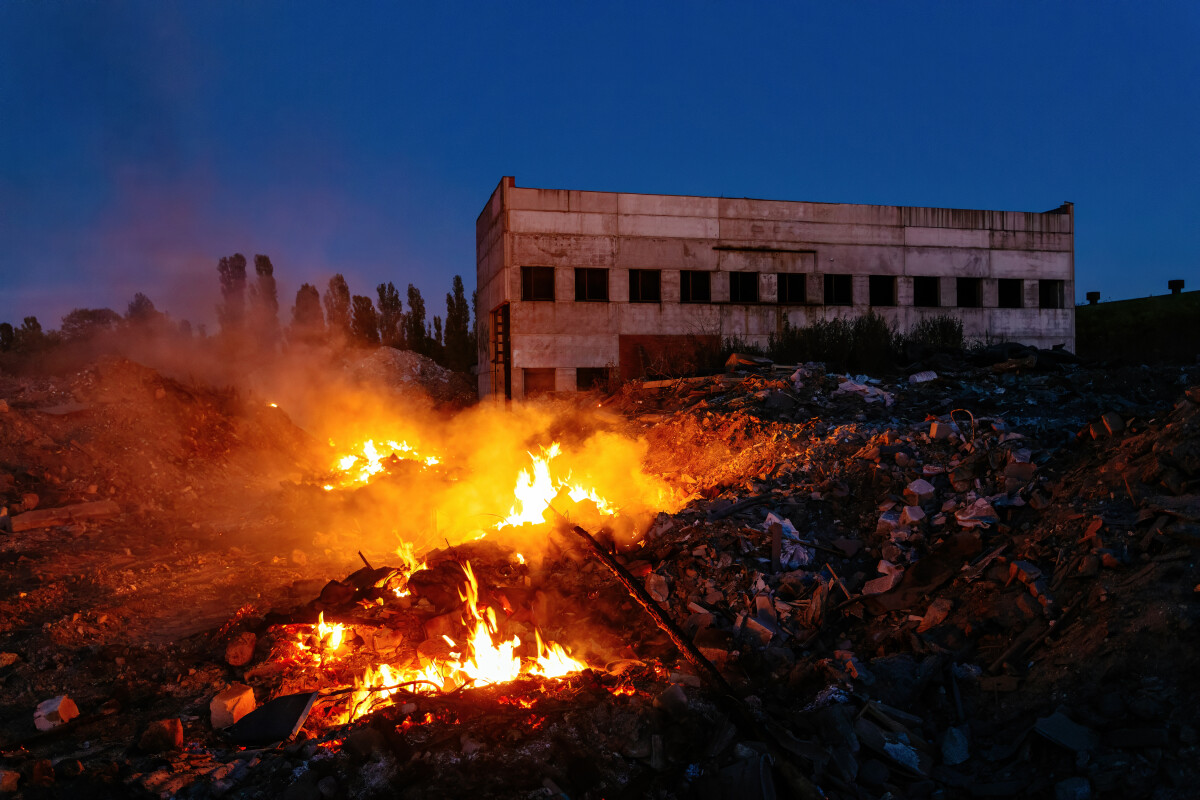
{"x":142,"y":141}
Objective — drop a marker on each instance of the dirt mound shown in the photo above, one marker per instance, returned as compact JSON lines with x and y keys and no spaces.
{"x":404,"y":370}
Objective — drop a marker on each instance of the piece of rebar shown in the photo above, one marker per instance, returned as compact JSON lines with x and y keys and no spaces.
{"x":364,"y":560}
{"x":797,"y":781}
{"x":664,"y":622}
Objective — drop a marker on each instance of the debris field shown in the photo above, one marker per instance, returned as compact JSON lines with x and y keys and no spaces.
{"x":970,"y":580}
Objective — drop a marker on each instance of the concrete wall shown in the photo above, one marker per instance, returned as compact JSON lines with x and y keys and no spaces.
{"x":567,"y":229}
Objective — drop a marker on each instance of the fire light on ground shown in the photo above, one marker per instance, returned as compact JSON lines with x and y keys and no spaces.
{"x":484,"y":657}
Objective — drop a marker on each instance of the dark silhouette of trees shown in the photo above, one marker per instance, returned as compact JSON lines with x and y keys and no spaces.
{"x":7,"y":336}
{"x":415,"y":335}
{"x":391,"y":316}
{"x":337,"y":306}
{"x":232,"y":310}
{"x":365,"y":323}
{"x":30,"y":337}
{"x":308,"y":323}
{"x":460,"y":354}
{"x":264,"y":303}
{"x":437,"y":348}
{"x":84,"y":323}
{"x":141,"y":310}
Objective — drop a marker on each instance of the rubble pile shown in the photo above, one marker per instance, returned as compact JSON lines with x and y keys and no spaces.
{"x":976,"y":581}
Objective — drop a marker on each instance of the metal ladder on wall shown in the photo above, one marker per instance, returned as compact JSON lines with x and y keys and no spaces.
{"x":501,"y":351}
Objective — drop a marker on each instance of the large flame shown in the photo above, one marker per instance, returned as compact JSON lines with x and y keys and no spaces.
{"x":536,"y":490}
{"x":485,"y":657}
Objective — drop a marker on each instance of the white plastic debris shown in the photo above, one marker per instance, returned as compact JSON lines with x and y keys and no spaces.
{"x":979,"y":514}
{"x":870,"y":394}
{"x":54,"y":712}
{"x":793,"y":555}
{"x":925,"y":376}
{"x":789,"y":530}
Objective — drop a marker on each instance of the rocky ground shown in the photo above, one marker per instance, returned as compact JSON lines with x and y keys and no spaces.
{"x":977,"y":582}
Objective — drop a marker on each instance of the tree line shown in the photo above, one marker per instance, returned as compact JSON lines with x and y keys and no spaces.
{"x":249,"y":312}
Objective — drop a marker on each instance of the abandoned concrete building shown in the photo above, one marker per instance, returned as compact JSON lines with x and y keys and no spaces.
{"x":575,"y":284}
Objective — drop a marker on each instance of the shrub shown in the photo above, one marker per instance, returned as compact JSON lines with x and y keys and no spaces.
{"x":943,"y":332}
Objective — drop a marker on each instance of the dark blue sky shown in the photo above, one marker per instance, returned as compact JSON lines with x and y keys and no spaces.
{"x":141,"y":141}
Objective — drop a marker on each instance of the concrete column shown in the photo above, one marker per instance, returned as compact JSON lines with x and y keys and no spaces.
{"x":564,"y":379}
{"x":1032,"y":298}
{"x":904,"y":291}
{"x":862,"y":291}
{"x":991,"y":293}
{"x":814,"y":289}
{"x":564,"y":289}
{"x":669,"y":286}
{"x":719,"y":285}
{"x":618,"y":286}
{"x":947,"y":292}
{"x":768,"y":287}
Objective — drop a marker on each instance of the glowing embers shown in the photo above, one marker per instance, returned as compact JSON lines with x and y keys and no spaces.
{"x":333,"y":653}
{"x":322,"y":640}
{"x":536,"y":490}
{"x":371,"y":459}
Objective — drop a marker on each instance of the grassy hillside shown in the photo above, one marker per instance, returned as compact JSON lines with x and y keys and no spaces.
{"x":1165,"y":328}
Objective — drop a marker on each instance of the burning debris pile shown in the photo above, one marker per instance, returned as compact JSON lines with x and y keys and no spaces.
{"x":774,"y":582}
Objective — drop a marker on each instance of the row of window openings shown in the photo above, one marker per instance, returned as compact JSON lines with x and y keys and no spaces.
{"x":645,"y":286}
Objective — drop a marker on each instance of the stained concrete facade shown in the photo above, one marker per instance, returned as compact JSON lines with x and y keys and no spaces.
{"x":1022,"y":260}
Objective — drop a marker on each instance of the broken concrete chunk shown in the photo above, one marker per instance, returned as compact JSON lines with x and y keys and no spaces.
{"x":925,"y":376}
{"x":1021,"y":472}
{"x":231,"y":705}
{"x":759,"y":631}
{"x":955,"y":749}
{"x":911,"y":515}
{"x":673,"y":700}
{"x":888,"y":522}
{"x":941,"y":430}
{"x":1065,"y":732}
{"x":162,"y":736}
{"x":10,"y":779}
{"x":240,"y":649}
{"x":1113,"y":423}
{"x":656,"y":585}
{"x":891,"y":576}
{"x":714,"y":644}
{"x":54,"y":712}
{"x":1023,"y":571}
{"x":918,"y":492}
{"x":936,"y":614}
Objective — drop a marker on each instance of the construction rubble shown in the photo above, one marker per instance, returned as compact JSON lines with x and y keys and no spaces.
{"x":970,"y":580}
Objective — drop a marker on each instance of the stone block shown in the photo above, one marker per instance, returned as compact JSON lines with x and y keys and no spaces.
{"x":231,"y":705}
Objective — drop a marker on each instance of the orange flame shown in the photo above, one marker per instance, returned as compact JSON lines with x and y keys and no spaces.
{"x":485,"y":658}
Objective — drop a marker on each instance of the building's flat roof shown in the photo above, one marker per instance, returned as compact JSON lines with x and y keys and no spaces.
{"x":1062,"y":209}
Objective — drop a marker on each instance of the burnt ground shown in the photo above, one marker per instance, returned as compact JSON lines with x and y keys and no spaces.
{"x":1031,"y":633}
